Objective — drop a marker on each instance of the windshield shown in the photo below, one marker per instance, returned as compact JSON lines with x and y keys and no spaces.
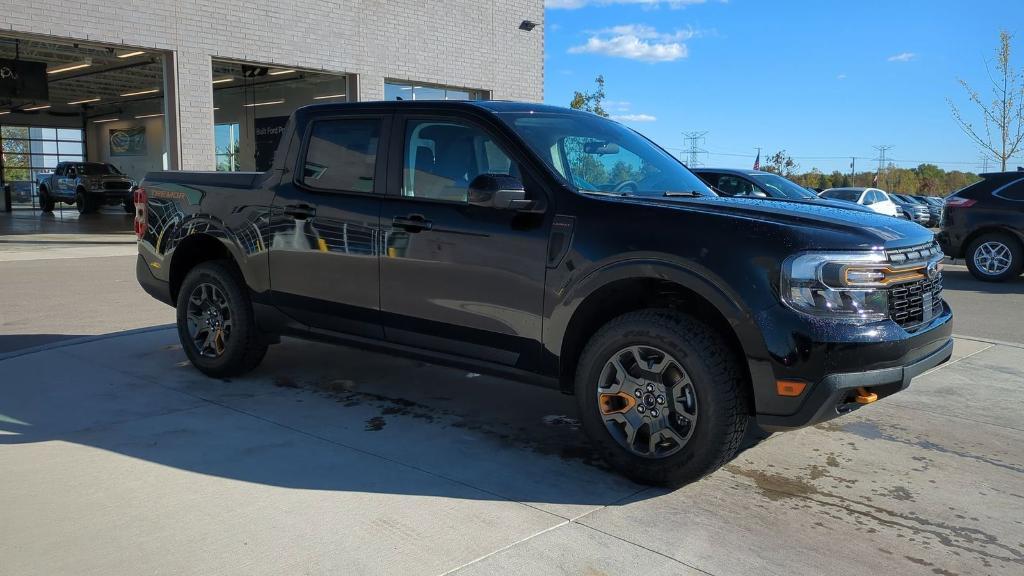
{"x":780,"y":187}
{"x":597,"y":155}
{"x":96,"y":169}
{"x":840,"y":194}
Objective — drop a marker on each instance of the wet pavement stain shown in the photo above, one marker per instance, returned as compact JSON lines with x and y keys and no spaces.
{"x":985,"y":546}
{"x":873,"y":431}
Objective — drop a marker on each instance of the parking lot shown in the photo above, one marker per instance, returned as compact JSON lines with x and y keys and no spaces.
{"x":116,"y":456}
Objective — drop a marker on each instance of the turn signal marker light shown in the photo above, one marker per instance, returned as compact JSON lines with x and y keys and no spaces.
{"x":789,"y":387}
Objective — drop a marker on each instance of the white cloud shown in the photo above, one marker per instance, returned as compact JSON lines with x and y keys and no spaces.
{"x":841,"y":77}
{"x":574,"y":4}
{"x":634,"y":118}
{"x":902,"y":57}
{"x":637,"y":42}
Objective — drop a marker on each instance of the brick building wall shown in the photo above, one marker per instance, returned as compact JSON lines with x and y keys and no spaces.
{"x":466,"y":43}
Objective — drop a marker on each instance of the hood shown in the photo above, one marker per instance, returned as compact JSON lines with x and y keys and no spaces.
{"x":868,"y":227}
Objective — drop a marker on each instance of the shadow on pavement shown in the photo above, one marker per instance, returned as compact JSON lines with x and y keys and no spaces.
{"x":12,"y":342}
{"x":312,"y":416}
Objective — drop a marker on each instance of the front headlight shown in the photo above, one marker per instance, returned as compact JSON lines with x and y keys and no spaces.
{"x":845,"y":286}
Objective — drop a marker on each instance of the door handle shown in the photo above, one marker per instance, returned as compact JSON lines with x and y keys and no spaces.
{"x":300,"y":211}
{"x":412,"y":223}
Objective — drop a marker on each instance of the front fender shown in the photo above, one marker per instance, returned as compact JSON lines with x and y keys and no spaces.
{"x":567,"y":299}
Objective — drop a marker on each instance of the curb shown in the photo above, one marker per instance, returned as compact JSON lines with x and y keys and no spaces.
{"x":80,"y":340}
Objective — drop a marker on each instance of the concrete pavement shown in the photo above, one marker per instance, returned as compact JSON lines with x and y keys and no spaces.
{"x":119,"y":458}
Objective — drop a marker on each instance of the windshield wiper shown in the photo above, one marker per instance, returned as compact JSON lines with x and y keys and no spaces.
{"x":683,"y":194}
{"x":602,"y":193}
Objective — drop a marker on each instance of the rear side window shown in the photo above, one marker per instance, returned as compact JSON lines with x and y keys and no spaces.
{"x":342,"y":155}
{"x":1014,"y":191}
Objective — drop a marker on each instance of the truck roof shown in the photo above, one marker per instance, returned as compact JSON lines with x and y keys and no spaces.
{"x":490,"y":105}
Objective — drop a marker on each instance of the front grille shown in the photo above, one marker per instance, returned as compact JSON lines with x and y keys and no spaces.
{"x":915,"y":303}
{"x":117,"y":185}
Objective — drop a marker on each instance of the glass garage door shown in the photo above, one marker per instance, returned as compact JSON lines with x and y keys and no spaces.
{"x":31,"y":150}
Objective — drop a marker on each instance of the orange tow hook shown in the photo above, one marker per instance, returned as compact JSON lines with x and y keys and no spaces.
{"x":864,"y":396}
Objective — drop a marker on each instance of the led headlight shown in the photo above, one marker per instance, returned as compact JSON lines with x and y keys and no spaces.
{"x":846,"y":286}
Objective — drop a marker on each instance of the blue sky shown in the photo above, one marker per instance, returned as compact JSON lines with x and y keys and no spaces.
{"x":818,"y":79}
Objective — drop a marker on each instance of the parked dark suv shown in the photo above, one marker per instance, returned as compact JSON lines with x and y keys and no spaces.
{"x":984,"y":224}
{"x":553,"y":246}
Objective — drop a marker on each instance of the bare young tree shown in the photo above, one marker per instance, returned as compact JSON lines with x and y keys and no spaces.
{"x":1003,"y":119}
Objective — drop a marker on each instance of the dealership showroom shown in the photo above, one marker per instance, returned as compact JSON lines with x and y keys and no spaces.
{"x":178,"y":85}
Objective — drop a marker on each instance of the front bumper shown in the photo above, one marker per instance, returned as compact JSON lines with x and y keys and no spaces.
{"x":832,"y":396}
{"x":834,"y":360}
{"x":110,"y":197}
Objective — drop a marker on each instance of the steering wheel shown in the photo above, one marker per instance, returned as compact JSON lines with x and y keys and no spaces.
{"x":627,"y":186}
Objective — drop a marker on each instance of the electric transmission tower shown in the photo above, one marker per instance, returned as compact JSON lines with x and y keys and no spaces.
{"x":694,"y":147}
{"x":882,"y":149}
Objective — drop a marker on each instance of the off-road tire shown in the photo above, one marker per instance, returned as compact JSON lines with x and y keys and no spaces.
{"x":82,"y":202}
{"x":1016,"y":254}
{"x":46,"y":204}
{"x":246,"y":347}
{"x":718,"y":380}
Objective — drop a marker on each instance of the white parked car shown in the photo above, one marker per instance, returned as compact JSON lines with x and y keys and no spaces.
{"x":872,"y":198}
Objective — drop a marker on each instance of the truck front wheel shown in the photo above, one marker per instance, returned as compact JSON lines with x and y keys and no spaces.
{"x":216,"y":324}
{"x":46,"y":204}
{"x":661,"y":396}
{"x":83,"y":204}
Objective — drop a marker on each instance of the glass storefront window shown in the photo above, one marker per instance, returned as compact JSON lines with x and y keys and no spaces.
{"x":29,"y":151}
{"x":409,"y":91}
{"x":226,"y":140}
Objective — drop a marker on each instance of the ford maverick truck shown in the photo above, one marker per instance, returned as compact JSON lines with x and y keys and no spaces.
{"x":556,"y":247}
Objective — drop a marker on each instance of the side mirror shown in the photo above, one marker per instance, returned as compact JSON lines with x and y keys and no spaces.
{"x":498,"y":191}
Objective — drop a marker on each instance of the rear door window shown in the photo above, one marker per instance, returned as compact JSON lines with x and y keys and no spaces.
{"x":341,"y":155}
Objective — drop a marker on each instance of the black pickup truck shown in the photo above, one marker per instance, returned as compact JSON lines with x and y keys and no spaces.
{"x":556,"y":247}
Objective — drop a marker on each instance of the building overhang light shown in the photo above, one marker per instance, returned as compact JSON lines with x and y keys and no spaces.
{"x":102,"y":120}
{"x":268,"y":103}
{"x":280,"y":72}
{"x":223,"y":80}
{"x":83,"y":101}
{"x":2,"y":112}
{"x":131,"y":53}
{"x":141,"y":92}
{"x":527,"y":25}
{"x":69,"y":67}
{"x":148,"y":116}
{"x":35,"y":108}
{"x":328,"y":96}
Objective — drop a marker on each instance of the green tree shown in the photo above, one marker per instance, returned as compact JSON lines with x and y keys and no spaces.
{"x":1002,"y":120}
{"x":780,"y":163}
{"x":591,"y":101}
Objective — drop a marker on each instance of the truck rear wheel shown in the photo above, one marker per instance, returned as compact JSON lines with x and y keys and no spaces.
{"x":661,"y":396}
{"x":216,"y":324}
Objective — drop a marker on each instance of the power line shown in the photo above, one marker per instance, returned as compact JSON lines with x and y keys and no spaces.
{"x":694,"y":140}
